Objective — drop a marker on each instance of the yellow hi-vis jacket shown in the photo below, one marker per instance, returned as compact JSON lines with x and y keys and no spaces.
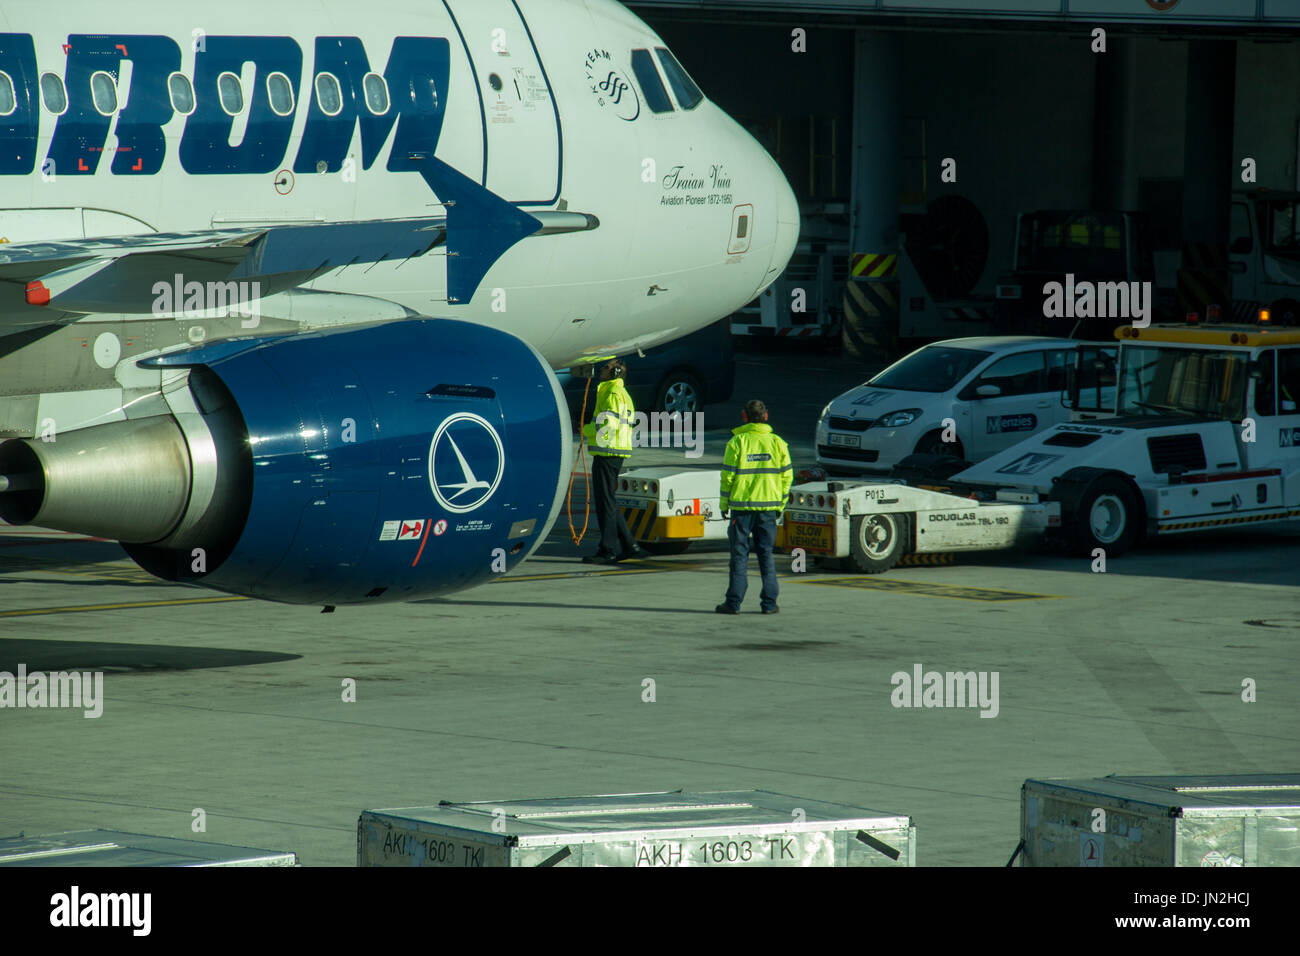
{"x":611,"y":431}
{"x":756,"y":470}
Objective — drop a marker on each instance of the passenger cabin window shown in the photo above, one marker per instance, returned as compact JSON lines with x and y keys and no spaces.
{"x":53,"y":92}
{"x":103,"y":93}
{"x":656,"y":96}
{"x":329,"y":96}
{"x":8,"y":99}
{"x":424,"y":93}
{"x":684,"y":88}
{"x":280,"y":92}
{"x":181,"y":92}
{"x":376,"y":88}
{"x":231,"y":93}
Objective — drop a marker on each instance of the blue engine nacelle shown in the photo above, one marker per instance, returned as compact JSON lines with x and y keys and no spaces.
{"x":386,"y":463}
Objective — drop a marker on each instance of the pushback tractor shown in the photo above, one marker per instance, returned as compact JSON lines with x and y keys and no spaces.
{"x":1200,"y":430}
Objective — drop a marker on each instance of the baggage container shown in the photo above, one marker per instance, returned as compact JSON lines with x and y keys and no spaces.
{"x":1214,"y":820}
{"x":725,"y":828}
{"x":78,"y":848}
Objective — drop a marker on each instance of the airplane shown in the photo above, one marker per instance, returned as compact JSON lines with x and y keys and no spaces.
{"x":258,"y":261}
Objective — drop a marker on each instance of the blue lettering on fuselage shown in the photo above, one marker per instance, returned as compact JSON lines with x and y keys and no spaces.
{"x":417,"y":73}
{"x":81,"y":132}
{"x":205,"y":145}
{"x":417,"y":76}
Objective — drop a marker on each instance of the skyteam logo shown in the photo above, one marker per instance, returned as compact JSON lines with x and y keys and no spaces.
{"x":611,"y":86}
{"x":466,"y":462}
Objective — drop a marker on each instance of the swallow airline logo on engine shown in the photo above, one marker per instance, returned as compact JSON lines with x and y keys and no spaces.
{"x":466,"y":462}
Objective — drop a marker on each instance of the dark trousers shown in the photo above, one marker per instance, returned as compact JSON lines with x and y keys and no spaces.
{"x":762,"y":526}
{"x":613,"y":526}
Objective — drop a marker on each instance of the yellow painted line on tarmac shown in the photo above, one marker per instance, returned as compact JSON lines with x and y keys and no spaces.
{"x":927,"y":589}
{"x":125,"y":605}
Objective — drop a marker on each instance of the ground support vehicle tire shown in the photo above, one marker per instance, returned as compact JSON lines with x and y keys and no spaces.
{"x":1099,"y":509}
{"x":878,"y":541}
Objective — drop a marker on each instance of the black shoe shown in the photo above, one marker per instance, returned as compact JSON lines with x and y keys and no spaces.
{"x":600,"y":557}
{"x":636,"y":554}
{"x":724,"y":609}
{"x":774,"y":609}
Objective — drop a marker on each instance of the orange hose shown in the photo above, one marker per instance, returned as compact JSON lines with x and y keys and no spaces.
{"x":576,"y":535}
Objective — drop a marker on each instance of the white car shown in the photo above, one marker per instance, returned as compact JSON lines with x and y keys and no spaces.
{"x":995,"y":391}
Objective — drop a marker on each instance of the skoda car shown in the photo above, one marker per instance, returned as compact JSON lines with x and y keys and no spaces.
{"x":994,"y":390}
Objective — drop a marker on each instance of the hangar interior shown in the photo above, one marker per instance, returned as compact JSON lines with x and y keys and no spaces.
{"x":862,"y":108}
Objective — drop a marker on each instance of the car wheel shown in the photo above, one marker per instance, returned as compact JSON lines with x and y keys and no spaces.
{"x":1106,"y":518}
{"x":877,"y":542}
{"x":680,"y":391}
{"x":933,"y":444}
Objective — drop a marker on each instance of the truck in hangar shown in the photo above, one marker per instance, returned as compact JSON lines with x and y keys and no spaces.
{"x":1203,"y":433}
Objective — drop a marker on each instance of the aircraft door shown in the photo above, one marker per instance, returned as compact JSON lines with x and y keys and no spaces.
{"x":519,"y":110}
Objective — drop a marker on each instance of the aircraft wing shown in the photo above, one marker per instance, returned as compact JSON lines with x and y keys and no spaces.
{"x":119,"y":274}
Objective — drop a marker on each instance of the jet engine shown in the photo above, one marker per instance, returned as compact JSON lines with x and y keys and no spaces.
{"x":390,"y":462}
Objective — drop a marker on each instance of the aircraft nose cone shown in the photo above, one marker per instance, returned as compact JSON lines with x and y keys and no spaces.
{"x":787,"y":224}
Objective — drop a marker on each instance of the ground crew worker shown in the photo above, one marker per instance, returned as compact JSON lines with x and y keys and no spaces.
{"x":756,"y":480}
{"x":609,"y":437}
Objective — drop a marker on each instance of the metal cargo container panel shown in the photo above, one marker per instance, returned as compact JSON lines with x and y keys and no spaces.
{"x":725,"y":828}
{"x":79,"y":848}
{"x":1205,"y":820}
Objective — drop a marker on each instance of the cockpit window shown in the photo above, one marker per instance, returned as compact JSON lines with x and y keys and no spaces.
{"x":684,"y":88}
{"x":653,"y":87}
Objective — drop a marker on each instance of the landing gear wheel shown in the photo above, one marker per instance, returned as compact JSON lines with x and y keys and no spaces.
{"x":665,"y":547}
{"x":877,"y":542}
{"x":1106,"y":518}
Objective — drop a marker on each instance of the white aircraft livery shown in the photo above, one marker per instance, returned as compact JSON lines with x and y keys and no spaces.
{"x":282,"y":285}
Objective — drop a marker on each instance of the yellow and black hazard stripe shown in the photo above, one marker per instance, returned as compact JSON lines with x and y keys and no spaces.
{"x":926,"y":560}
{"x":870,"y":327}
{"x":640,"y":521}
{"x":1220,"y":522}
{"x":868,"y":265}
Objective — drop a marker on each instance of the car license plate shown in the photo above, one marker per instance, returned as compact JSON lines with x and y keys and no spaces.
{"x":849,"y":441}
{"x":818,"y":539}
